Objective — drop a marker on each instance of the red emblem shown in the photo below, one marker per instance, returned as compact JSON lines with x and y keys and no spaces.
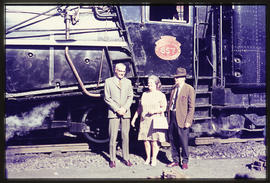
{"x":168,"y":48}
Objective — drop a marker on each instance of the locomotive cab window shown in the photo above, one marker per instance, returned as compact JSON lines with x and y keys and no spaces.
{"x":179,"y":13}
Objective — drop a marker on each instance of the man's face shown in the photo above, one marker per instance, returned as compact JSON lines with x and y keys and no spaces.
{"x":179,"y":80}
{"x":120,"y":72}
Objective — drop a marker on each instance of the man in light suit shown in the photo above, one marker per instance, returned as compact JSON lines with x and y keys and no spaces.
{"x":119,"y":96}
{"x":180,"y":115}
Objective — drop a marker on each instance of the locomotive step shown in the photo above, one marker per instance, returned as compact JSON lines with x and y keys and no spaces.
{"x":202,"y":118}
{"x":203,"y":105}
{"x":203,"y":92}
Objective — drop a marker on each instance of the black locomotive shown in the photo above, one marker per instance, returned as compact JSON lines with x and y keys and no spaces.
{"x":64,"y":54}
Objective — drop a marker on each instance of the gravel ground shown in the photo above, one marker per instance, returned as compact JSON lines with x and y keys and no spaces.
{"x":209,"y":161}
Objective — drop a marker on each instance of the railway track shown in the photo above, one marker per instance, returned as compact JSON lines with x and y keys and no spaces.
{"x":49,"y":148}
{"x":212,"y":140}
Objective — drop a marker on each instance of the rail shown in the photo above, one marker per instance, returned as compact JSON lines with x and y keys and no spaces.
{"x":47,"y":148}
{"x":11,"y":150}
{"x":212,"y":140}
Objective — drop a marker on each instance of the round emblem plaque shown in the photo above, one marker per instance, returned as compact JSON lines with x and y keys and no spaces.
{"x":168,"y":48}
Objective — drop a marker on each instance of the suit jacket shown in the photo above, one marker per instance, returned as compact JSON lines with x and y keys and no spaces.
{"x":185,"y":105}
{"x":117,"y":97}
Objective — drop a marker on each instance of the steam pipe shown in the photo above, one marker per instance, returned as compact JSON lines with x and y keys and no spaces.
{"x":67,"y":21}
{"x":77,"y":75}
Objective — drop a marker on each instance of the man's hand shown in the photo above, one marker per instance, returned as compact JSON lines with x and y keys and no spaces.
{"x":121,"y":111}
{"x":133,"y":122}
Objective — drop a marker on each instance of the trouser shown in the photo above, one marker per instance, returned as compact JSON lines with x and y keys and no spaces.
{"x":178,"y":138}
{"x":113,"y":132}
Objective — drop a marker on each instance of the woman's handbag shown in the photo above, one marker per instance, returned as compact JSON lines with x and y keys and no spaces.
{"x":160,"y":122}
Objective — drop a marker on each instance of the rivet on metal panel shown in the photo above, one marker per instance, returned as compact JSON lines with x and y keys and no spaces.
{"x":237,"y":60}
{"x":237,"y":74}
{"x":87,"y":61}
{"x":30,"y":54}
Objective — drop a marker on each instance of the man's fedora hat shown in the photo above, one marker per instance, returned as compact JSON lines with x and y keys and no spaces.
{"x":180,"y":72}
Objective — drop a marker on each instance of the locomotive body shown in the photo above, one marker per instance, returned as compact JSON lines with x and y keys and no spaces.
{"x":65,"y":53}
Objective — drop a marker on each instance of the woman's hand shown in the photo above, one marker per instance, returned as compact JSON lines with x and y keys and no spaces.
{"x":187,"y":125}
{"x":155,"y":112}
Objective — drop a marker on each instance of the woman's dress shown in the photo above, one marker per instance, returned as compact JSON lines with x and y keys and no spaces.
{"x":152,"y":102}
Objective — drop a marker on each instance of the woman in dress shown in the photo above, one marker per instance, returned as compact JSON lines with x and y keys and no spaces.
{"x":153,"y":102}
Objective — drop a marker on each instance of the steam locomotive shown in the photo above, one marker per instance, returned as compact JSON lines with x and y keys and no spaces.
{"x":64,"y":53}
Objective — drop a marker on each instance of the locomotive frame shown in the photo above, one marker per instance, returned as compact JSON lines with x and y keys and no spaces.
{"x":60,"y":58}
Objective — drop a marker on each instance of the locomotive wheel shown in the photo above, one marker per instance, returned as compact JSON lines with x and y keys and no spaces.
{"x":98,"y":125}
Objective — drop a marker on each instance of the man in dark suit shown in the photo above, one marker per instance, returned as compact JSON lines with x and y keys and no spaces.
{"x":180,"y":113}
{"x":119,"y":96}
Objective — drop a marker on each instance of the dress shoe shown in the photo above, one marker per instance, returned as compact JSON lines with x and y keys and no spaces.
{"x":147,"y":161}
{"x":112,"y":164}
{"x":184,"y":166}
{"x":154,"y":163}
{"x":173,"y":164}
{"x":127,"y":163}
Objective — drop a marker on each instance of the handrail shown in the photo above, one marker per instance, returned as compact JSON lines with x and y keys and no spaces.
{"x":221,"y":46}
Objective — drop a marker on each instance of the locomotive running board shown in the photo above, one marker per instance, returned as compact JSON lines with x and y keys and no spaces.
{"x":49,"y":91}
{"x":20,"y":42}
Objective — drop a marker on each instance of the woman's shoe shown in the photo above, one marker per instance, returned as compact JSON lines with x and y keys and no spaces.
{"x":147,"y":161}
{"x":154,"y":163}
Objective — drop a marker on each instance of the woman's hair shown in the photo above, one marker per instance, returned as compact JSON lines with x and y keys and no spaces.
{"x":157,"y":81}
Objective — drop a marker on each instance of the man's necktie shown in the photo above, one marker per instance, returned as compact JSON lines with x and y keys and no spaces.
{"x":119,"y":83}
{"x":175,"y":98}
